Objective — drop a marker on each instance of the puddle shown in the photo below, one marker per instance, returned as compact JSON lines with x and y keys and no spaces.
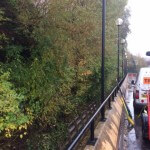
{"x":132,"y":141}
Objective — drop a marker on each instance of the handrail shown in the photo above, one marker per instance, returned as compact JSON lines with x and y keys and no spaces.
{"x":91,"y":121}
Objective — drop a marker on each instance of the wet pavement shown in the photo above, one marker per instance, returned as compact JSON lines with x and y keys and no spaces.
{"x":134,"y":136}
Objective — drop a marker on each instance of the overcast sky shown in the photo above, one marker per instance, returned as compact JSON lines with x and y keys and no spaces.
{"x":139,"y":38}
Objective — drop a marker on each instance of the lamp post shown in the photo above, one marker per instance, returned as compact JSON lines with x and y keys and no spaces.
{"x":125,"y":63}
{"x":103,"y":56}
{"x":119,"y":22}
{"x":123,"y":42}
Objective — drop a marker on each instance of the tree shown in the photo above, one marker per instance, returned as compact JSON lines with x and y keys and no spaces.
{"x":53,"y":52}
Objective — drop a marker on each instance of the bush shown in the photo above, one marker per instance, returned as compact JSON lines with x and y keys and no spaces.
{"x":12,"y":118}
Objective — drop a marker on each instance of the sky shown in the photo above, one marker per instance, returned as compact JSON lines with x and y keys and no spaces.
{"x":139,"y":38}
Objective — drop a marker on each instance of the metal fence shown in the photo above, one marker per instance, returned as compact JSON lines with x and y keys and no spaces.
{"x":90,"y":124}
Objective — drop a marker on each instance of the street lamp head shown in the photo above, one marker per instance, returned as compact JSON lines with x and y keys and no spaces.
{"x":123,"y":41}
{"x":119,"y":22}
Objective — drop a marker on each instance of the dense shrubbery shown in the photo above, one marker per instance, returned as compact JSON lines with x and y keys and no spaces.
{"x":12,"y":117}
{"x":50,"y":56}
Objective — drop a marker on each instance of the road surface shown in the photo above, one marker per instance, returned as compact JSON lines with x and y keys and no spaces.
{"x":134,"y":136}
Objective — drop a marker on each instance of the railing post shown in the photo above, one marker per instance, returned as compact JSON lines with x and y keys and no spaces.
{"x":103,"y":114}
{"x":112,"y":97}
{"x":92,"y":131}
{"x":115,"y":92}
{"x":117,"y":88}
{"x":109,"y":103}
{"x":92,"y":140}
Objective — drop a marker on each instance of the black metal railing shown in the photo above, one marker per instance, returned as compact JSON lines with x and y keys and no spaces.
{"x":91,"y":122}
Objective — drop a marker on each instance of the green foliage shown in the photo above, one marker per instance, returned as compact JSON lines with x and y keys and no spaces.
{"x":11,"y":116}
{"x":52,"y":53}
{"x":49,"y":140}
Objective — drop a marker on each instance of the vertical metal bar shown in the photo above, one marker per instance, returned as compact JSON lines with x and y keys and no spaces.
{"x":109,"y":103}
{"x":103,"y":58}
{"x":124,"y":65}
{"x":126,"y":69}
{"x":118,"y":51}
{"x":113,"y":96}
{"x":122,"y":60}
{"x":115,"y":92}
{"x":92,"y":131}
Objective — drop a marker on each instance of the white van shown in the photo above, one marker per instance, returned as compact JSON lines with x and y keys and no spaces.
{"x":141,"y":88}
